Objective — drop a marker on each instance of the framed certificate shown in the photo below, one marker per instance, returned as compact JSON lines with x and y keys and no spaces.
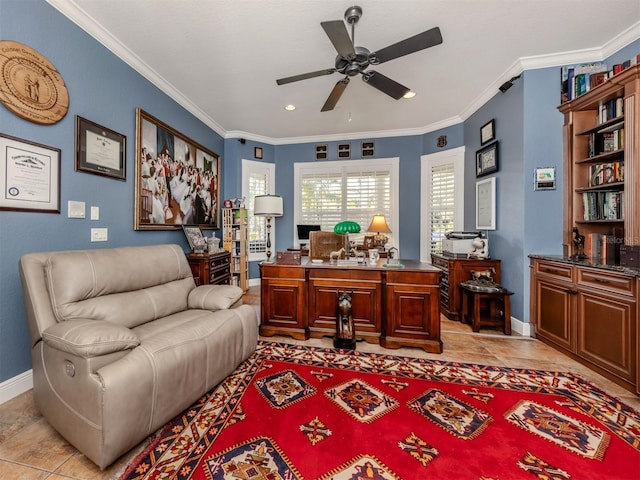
{"x":99,"y":150}
{"x":486,"y":204}
{"x":31,"y":176}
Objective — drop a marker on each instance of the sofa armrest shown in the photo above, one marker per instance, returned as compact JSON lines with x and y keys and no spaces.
{"x":214,"y":297}
{"x":90,"y":338}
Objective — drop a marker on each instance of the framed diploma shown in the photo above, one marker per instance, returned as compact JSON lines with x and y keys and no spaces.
{"x":99,"y":150}
{"x":31,"y":176}
{"x":486,"y":204}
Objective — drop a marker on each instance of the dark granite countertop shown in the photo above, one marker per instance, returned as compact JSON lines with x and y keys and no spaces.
{"x":589,"y":262}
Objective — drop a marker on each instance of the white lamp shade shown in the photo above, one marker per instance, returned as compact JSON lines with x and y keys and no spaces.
{"x":268,"y":206}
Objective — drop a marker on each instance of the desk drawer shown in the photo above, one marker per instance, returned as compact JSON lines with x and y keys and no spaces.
{"x":609,"y":281}
{"x":558,"y":271}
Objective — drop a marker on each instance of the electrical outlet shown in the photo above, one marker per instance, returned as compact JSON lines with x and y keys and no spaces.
{"x":95,"y":213}
{"x":99,"y":234}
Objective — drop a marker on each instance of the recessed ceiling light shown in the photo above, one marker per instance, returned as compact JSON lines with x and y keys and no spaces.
{"x":290,"y":107}
{"x":409,"y":94}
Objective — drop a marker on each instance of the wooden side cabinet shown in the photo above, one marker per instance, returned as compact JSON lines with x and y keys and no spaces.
{"x":412,"y":313}
{"x":283,"y":301}
{"x":454,"y":272}
{"x":210,"y":268}
{"x":590,"y":314}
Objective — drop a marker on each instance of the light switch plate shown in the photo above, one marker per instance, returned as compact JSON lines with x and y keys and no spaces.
{"x":99,"y":234}
{"x":95,"y":213}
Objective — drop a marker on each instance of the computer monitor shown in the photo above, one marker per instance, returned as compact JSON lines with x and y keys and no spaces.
{"x":303,"y":232}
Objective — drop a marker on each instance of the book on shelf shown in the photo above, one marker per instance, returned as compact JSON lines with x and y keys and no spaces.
{"x":604,"y":247}
{"x":602,"y":205}
{"x":606,"y":142}
{"x":575,"y":80}
{"x":610,"y":109}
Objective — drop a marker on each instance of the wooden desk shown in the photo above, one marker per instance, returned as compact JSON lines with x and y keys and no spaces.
{"x":394,"y":307}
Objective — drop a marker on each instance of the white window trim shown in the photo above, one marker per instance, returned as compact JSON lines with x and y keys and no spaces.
{"x":269,"y":170}
{"x":332,"y":166}
{"x":455,"y":156}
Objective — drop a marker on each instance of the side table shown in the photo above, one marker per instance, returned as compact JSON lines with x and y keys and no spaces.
{"x":210,"y":268}
{"x":486,"y":307}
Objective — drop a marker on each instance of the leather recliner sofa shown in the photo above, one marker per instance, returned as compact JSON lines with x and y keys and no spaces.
{"x":123,"y":341}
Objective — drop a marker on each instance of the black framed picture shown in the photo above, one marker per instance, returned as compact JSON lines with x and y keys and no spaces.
{"x":488,"y":132}
{"x":100,"y":150}
{"x":487,"y":160}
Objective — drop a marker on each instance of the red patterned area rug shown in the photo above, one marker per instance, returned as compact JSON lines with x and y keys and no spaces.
{"x":295,"y":412}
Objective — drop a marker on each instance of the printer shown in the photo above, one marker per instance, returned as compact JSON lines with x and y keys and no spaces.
{"x":461,"y":244}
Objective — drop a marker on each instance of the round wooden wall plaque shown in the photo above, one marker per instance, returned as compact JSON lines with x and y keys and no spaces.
{"x":30,"y":86}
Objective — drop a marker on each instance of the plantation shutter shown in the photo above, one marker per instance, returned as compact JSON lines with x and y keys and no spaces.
{"x":441,"y":203}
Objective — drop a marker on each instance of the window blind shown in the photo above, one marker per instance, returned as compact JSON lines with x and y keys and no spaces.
{"x":441,"y":203}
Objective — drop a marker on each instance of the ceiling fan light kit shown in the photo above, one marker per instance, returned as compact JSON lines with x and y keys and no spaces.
{"x":353,"y":60}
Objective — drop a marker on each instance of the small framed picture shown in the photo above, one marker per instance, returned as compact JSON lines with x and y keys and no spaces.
{"x":257,"y":152}
{"x":488,"y":132}
{"x":368,"y":242}
{"x":344,"y":150}
{"x":321,"y":152}
{"x":368,"y":149}
{"x":545,"y":178}
{"x":487,"y":160}
{"x":99,"y":150}
{"x":194,"y":235}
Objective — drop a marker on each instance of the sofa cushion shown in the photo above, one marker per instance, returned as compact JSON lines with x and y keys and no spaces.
{"x":128,"y":286}
{"x":214,"y":297}
{"x":90,"y":338}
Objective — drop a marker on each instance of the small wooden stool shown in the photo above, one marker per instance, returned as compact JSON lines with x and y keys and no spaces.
{"x":496,"y":311}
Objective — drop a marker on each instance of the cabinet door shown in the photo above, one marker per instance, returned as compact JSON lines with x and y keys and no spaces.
{"x":412,"y":317}
{"x":283,"y":308}
{"x":553,"y":317}
{"x":366,"y":305}
{"x":606,"y":326}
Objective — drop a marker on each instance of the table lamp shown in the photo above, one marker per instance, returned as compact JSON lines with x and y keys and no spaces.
{"x":268,"y":206}
{"x":379,"y":224}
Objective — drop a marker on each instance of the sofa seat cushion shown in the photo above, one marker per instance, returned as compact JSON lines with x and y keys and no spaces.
{"x":128,"y":286}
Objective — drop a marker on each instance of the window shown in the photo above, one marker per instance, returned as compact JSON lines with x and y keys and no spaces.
{"x":258,"y":178}
{"x":442,"y":199}
{"x":347,"y":190}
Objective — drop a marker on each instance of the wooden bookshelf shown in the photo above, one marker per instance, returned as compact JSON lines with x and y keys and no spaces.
{"x":586,"y":135}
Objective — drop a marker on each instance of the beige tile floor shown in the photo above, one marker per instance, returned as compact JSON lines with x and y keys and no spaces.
{"x":31,"y":450}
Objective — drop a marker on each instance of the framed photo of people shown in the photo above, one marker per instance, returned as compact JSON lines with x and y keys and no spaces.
{"x":177,"y":181}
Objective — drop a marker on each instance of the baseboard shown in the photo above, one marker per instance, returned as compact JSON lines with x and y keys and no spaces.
{"x":520,"y":327}
{"x":15,"y":386}
{"x":254,"y":282}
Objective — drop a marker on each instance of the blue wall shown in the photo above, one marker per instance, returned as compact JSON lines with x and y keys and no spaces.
{"x":105,"y":90}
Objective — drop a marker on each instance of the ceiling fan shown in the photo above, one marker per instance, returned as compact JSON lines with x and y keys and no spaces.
{"x":352,"y":60}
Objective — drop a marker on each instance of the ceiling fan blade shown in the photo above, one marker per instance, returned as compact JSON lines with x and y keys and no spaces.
{"x":410,"y":45}
{"x":304,"y":76}
{"x":385,"y":84}
{"x":335,"y":95}
{"x":339,"y":36}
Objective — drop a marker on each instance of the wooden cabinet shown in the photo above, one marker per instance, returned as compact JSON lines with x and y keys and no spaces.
{"x":454,"y":272}
{"x":235,"y":241}
{"x":412,"y":313}
{"x":210,"y":268}
{"x":589,"y":313}
{"x":391,"y":307}
{"x":601,"y":154}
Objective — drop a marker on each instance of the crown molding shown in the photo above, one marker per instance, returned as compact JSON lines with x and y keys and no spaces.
{"x":78,"y":16}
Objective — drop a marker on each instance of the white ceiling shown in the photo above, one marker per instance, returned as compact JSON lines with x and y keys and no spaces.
{"x":220,"y":58}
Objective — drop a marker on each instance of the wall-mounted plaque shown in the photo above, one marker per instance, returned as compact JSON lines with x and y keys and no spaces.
{"x":30,"y":86}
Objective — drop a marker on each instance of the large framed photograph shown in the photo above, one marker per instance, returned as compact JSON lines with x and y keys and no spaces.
{"x":99,"y":150}
{"x":487,"y":160}
{"x":486,"y":204}
{"x":488,"y":132}
{"x":30,"y":175}
{"x":177,"y":181}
